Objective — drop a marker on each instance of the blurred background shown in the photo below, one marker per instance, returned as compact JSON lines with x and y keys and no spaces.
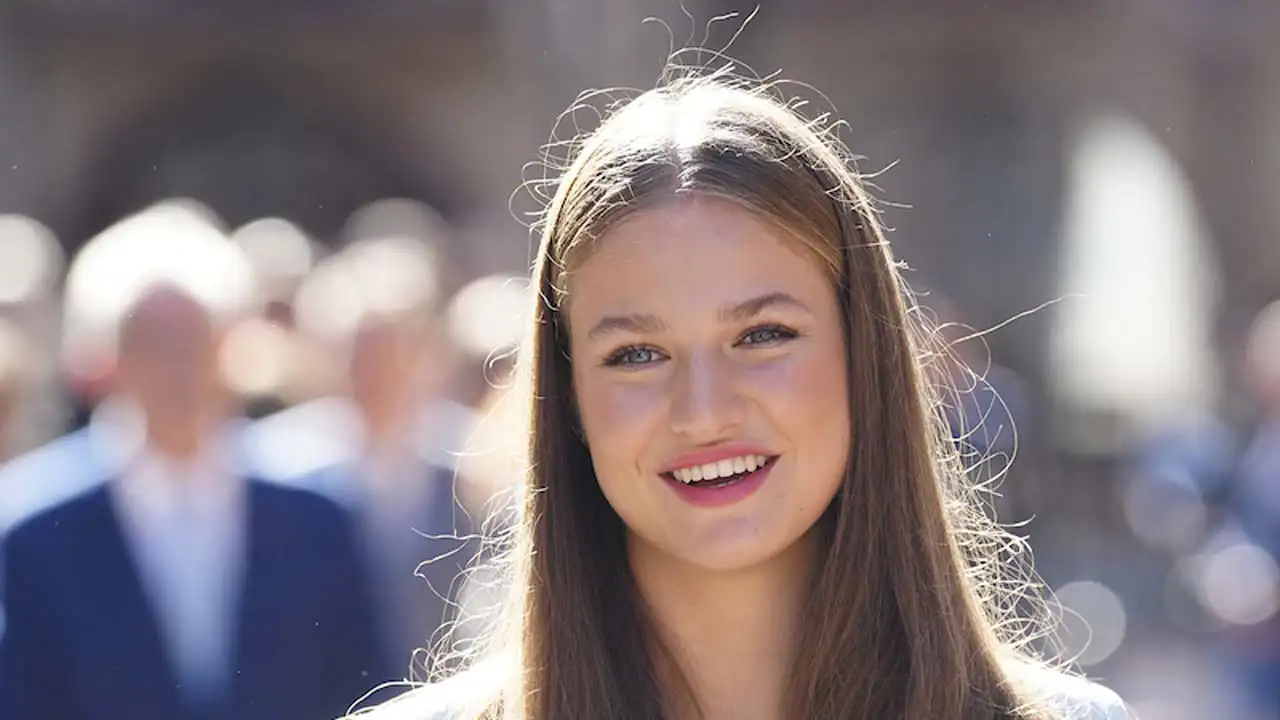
{"x":1093,"y":182}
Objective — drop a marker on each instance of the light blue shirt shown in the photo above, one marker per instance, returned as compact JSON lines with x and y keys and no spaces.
{"x":185,"y":525}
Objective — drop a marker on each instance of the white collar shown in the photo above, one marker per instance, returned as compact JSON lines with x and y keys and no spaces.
{"x":117,"y":431}
{"x":153,"y":488}
{"x":151,"y":483}
{"x":159,"y":484}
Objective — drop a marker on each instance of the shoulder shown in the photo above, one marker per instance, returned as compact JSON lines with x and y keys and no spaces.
{"x":460,"y":696}
{"x":47,"y":477}
{"x":301,"y":440}
{"x":1076,"y":698}
{"x":299,"y":512}
{"x":64,"y":519}
{"x":422,"y":703}
{"x":295,"y":500}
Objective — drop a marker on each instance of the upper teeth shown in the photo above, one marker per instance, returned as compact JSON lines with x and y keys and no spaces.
{"x":722,"y":469}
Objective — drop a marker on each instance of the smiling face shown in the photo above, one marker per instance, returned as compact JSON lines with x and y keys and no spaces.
{"x":707,"y":343}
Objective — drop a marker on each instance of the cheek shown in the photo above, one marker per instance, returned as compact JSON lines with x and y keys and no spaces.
{"x":619,"y":420}
{"x":806,"y":399}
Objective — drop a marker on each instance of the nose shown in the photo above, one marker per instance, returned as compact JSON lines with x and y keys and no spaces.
{"x":705,"y":404}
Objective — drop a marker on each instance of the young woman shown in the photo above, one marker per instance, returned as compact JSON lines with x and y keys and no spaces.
{"x":741,"y":501}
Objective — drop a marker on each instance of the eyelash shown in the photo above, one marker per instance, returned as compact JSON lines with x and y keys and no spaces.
{"x":780,"y":333}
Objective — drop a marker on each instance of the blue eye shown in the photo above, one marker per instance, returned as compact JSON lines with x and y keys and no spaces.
{"x":767,"y":335}
{"x":633,"y":356}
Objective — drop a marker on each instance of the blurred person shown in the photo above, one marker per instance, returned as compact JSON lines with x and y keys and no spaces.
{"x":13,"y":372}
{"x":1177,"y":479}
{"x":282,"y":255}
{"x":740,"y":498}
{"x":387,"y":447}
{"x":32,"y":263}
{"x":90,"y":371}
{"x":269,"y":364}
{"x":63,"y":467}
{"x":175,"y":586}
{"x":31,"y":260}
{"x":486,"y":321}
{"x":1258,"y":486}
{"x":486,"y":318}
{"x":270,"y":367}
{"x":1254,"y":503}
{"x":395,"y":217}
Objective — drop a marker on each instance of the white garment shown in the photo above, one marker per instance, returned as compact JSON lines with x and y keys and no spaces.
{"x":453,"y":698}
{"x":185,"y":524}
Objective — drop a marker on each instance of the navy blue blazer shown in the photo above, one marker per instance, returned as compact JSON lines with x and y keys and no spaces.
{"x":419,"y":569}
{"x":50,"y":475}
{"x":81,"y":641}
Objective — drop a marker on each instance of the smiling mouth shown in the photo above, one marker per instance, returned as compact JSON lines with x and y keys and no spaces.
{"x":721,"y":474}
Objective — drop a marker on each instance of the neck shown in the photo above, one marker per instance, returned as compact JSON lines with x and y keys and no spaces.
{"x":181,"y":436}
{"x":732,"y":634}
{"x":176,"y":443}
{"x":384,"y":418}
{"x":381,"y":432}
{"x":385,"y":433}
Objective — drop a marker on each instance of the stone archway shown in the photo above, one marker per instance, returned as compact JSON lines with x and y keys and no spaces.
{"x":249,"y":146}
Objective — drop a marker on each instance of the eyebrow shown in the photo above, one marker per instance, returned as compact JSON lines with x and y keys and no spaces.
{"x":753,"y":307}
{"x":640,"y":323}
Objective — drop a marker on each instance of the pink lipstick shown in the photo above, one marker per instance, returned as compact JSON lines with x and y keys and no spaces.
{"x":719,"y":476}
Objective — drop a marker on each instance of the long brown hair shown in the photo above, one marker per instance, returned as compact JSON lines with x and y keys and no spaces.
{"x":908,"y":617}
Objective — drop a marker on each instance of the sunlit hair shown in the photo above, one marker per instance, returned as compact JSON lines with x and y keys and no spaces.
{"x":919,"y":608}
{"x":176,"y":244}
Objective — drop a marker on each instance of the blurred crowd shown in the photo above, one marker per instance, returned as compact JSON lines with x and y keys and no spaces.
{"x":274,"y":474}
{"x":243,"y":473}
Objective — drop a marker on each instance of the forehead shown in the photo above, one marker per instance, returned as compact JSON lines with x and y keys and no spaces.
{"x":692,"y":250}
{"x":166,"y":305}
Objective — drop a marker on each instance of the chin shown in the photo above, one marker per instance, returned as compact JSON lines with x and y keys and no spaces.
{"x":735,"y":548}
{"x":732,"y":560}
